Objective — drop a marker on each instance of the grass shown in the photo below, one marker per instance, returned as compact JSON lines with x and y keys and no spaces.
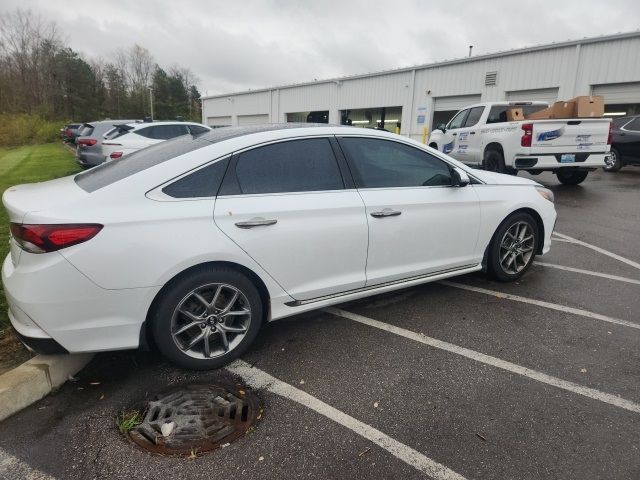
{"x":34,"y":163}
{"x":127,"y":421}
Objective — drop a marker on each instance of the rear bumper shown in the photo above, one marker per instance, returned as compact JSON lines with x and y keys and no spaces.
{"x":553,"y":161}
{"x":50,"y":301}
{"x":41,"y":346}
{"x":88,"y":160}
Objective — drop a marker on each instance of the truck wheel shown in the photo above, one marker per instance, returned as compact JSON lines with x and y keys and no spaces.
{"x":493,"y":161}
{"x":613,"y":162}
{"x":571,"y":177}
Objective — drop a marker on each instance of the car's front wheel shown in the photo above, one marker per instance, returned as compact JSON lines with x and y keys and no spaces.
{"x":207,"y":318}
{"x":513,"y":247}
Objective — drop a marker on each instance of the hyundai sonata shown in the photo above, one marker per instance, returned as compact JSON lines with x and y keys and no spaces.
{"x":192,"y":244}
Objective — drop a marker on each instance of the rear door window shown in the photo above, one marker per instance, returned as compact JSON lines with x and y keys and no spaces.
{"x":474,"y":116}
{"x":163,"y":132}
{"x":305,"y":165}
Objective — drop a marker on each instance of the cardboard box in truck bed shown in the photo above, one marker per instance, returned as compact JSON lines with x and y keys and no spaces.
{"x":563,"y":109}
{"x":588,"y":106}
{"x":515,"y":115}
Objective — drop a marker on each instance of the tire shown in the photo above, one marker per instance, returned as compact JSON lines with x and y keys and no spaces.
{"x":180,"y":307}
{"x":505,"y":250}
{"x":615,"y":163}
{"x":571,"y":177}
{"x":493,"y":161}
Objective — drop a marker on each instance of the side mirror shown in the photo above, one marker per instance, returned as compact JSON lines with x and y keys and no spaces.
{"x":459,"y":177}
{"x":442,"y":127}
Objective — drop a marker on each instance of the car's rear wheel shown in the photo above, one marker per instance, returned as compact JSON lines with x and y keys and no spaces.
{"x":613,"y":162}
{"x":513,"y":247}
{"x":571,"y":177}
{"x":207,"y":318}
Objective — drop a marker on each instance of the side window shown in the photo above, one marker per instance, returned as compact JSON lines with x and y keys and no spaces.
{"x":474,"y":116}
{"x":165,"y":132}
{"x":146,"y":132}
{"x":293,"y":166}
{"x":458,"y":120}
{"x":197,"y":129}
{"x":497,"y":114}
{"x":633,"y":125}
{"x":383,"y":163}
{"x":204,"y":182}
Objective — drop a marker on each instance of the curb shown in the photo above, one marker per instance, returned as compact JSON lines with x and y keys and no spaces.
{"x":34,"y":379}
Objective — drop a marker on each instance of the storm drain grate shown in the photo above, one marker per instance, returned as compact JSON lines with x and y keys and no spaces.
{"x":197,"y":419}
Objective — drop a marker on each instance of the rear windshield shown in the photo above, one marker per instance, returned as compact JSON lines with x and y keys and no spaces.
{"x":115,"y":170}
{"x":498,"y":113}
{"x":117,"y":132}
{"x":86,"y":130}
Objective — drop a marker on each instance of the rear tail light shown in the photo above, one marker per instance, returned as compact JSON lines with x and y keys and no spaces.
{"x":115,"y":155}
{"x":89,"y":142}
{"x":527,"y":136}
{"x":49,"y":238}
{"x":610,"y":137}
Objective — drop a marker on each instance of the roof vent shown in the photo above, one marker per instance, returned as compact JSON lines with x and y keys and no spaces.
{"x":490,"y":78}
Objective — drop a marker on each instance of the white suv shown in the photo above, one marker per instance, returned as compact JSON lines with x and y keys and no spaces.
{"x":127,"y":138}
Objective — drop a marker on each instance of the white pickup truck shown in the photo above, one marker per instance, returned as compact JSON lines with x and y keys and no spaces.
{"x":481,"y":136}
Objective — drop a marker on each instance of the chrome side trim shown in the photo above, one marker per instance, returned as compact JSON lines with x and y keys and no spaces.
{"x":297,"y":303}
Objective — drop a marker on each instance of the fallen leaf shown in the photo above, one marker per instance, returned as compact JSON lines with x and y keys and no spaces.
{"x":102,"y":397}
{"x":260,"y":459}
{"x":583,"y":370}
{"x":301,"y":382}
{"x":375,"y":404}
{"x":241,"y":392}
{"x":481,"y":437}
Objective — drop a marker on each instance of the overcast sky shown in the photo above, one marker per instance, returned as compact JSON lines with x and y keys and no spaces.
{"x":237,"y":45}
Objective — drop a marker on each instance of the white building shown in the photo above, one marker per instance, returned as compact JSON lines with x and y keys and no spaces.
{"x":410,"y":99}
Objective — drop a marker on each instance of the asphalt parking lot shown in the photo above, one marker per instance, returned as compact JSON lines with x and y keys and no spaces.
{"x":464,"y":379}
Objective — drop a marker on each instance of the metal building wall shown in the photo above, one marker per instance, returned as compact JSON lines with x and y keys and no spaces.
{"x":573,"y":68}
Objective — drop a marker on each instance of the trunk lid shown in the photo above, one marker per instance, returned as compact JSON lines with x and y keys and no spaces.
{"x":582,"y":134}
{"x":21,"y":200}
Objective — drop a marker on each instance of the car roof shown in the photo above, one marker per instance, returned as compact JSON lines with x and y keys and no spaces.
{"x":137,"y":125}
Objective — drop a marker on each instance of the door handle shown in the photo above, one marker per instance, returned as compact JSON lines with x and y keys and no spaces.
{"x":472,"y":133}
{"x":454,"y":134}
{"x":387,"y":212}
{"x":258,"y":222}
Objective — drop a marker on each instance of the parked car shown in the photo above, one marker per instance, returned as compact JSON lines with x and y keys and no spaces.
{"x":89,"y":142}
{"x":197,"y":241}
{"x":130,"y":137}
{"x":625,"y":147}
{"x":480,"y":135}
{"x":71,"y":131}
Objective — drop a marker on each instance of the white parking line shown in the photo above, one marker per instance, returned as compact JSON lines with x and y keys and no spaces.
{"x":259,"y":379}
{"x":12,"y":468}
{"x":493,"y":361}
{"x":597,"y":249}
{"x":589,"y":272}
{"x":540,"y":303}
{"x":560,"y":240}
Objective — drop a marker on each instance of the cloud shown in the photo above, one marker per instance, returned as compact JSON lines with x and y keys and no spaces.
{"x":234,"y":46}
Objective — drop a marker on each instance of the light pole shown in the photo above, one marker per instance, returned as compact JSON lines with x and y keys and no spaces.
{"x":151,"y":100}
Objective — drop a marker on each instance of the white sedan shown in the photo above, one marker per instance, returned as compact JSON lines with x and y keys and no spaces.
{"x":196,"y":242}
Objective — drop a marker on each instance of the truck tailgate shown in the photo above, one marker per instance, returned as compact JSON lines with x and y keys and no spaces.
{"x":580,"y":134}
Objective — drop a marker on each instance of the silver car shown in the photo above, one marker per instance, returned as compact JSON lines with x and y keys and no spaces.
{"x":89,"y":142}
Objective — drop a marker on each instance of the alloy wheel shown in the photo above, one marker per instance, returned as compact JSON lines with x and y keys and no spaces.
{"x":611,"y":160}
{"x":516,"y":247}
{"x":211,"y":320}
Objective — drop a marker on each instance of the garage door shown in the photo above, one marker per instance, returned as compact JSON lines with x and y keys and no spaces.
{"x":252,"y":119}
{"x":456,"y":103}
{"x":618,"y":93}
{"x":548,"y":95}
{"x":219,"y":121}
